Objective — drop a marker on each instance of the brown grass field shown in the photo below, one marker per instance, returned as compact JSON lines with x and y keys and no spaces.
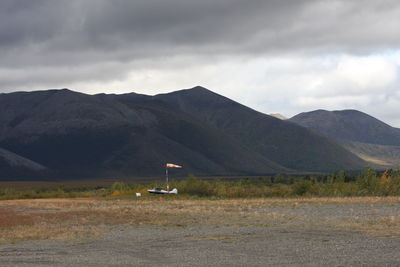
{"x":90,"y":218}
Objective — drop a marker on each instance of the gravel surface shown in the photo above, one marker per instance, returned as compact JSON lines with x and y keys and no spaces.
{"x":289,"y":244}
{"x":206,"y":246}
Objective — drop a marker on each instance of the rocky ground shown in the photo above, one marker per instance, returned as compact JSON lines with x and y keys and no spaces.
{"x":259,"y":232}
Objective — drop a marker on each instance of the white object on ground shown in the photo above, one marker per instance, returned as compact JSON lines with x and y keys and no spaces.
{"x":162,"y":191}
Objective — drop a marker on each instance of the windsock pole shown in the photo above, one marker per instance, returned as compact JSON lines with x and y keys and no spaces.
{"x":166,"y":176}
{"x":169,"y":165}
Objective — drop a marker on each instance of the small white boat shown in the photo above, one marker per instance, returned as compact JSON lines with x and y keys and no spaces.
{"x":162,"y":191}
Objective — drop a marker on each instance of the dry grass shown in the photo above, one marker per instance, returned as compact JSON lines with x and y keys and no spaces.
{"x":19,"y":225}
{"x":71,"y":219}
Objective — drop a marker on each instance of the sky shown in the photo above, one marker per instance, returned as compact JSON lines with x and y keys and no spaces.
{"x":274,"y":56}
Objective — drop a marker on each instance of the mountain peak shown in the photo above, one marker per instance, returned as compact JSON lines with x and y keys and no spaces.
{"x":196,"y":96}
{"x":198,"y":87}
{"x":196,"y":91}
{"x":57,"y":90}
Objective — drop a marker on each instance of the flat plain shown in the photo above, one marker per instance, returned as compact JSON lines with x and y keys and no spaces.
{"x":165,"y":231}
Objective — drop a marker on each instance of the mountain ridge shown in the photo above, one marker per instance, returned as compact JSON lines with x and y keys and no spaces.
{"x":246,"y":124}
{"x":79,"y":135}
{"x":362,"y":134}
{"x":351,"y":125}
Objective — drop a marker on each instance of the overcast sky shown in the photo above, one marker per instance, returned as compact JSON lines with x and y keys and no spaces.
{"x":272,"y":55}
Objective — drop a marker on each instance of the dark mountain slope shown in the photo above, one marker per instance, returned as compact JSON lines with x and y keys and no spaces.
{"x":14,"y":160}
{"x":283,"y":142}
{"x":364,"y":135}
{"x":64,"y":130}
{"x":78,"y":135}
{"x":204,"y":149}
{"x":13,"y":165}
{"x":55,"y":111}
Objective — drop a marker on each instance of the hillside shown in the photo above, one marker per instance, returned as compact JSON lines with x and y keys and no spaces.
{"x":350,"y":125}
{"x":280,"y":141}
{"x":75,"y":135}
{"x":364,"y":135}
{"x":79,"y":135}
{"x":14,"y":166}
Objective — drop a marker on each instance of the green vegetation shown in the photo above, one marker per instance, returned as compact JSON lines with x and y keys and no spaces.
{"x":367,"y":183}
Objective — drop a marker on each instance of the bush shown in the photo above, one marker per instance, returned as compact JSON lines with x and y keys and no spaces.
{"x":195,"y":186}
{"x":119,"y":186}
{"x":368,"y":182}
{"x":301,"y":188}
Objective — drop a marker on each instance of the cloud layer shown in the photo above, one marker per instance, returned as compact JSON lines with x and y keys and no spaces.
{"x":276,"y":56}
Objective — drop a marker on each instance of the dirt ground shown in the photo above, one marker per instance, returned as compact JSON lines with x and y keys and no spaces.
{"x":168,"y":232}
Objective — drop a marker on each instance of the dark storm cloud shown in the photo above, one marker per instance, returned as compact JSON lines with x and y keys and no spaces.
{"x":122,"y":30}
{"x":53,"y":35}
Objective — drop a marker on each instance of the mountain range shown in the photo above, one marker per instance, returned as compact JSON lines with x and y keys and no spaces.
{"x":369,"y":138}
{"x":69,"y":135}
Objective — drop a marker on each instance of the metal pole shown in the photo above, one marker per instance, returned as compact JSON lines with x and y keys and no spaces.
{"x":166,"y":175}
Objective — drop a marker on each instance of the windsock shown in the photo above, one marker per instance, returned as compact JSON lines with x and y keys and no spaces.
{"x":170,"y":165}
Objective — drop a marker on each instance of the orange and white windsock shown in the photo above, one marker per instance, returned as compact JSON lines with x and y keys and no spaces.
{"x":170,"y":165}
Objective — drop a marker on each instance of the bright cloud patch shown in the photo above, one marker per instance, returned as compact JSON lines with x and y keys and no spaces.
{"x":287,"y":85}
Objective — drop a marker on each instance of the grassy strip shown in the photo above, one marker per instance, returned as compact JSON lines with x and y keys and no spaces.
{"x":366,"y":183}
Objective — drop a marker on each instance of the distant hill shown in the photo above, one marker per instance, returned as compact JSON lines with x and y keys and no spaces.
{"x":364,"y":135}
{"x":74,"y":135}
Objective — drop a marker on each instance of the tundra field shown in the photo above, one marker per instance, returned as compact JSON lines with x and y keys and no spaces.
{"x":167,"y":231}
